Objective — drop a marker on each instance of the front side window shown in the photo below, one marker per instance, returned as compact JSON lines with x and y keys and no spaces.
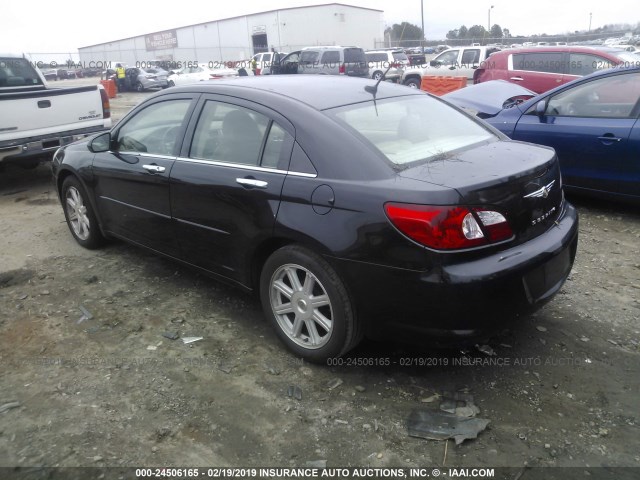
{"x":611,"y":97}
{"x":308,"y":58}
{"x":412,"y":129}
{"x":154,"y":129}
{"x":448,"y":58}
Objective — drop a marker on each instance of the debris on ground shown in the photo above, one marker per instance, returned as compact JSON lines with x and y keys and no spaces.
{"x":442,"y":426}
{"x":460,"y":404}
{"x":295,"y":391}
{"x":335,"y":383}
{"x":487,"y":350}
{"x":188,"y":340}
{"x":171,"y":335}
{"x":8,"y":406}
{"x":86,"y":315}
{"x":225,"y":367}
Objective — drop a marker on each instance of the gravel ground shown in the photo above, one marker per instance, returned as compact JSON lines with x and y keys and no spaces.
{"x":88,"y":379}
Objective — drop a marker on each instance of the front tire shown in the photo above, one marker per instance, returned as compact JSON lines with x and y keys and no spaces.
{"x":79,"y":214}
{"x":308,"y":305}
{"x":139,"y":87}
{"x":377,"y":75}
{"x":413,"y":83}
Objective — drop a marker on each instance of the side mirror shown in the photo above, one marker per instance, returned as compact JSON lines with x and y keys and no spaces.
{"x":541,"y":108}
{"x":101,"y":143}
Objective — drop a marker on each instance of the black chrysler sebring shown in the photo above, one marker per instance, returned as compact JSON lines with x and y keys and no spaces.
{"x":353,"y":209}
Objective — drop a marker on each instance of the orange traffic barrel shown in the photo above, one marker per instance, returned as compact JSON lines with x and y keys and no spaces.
{"x":441,"y":85}
{"x":110,"y":87}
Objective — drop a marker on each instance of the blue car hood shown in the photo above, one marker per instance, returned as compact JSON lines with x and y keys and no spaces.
{"x":489,"y":98}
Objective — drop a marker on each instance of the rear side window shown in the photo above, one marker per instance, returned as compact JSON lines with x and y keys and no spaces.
{"x":470,"y":56}
{"x":17,"y":72}
{"x":229,"y":133}
{"x":332,"y":58}
{"x":376,"y":57}
{"x":354,"y":55}
{"x":549,"y":62}
{"x":400,"y":56}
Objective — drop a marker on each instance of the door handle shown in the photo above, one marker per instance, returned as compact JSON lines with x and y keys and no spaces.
{"x":252,"y":183}
{"x":609,"y":138}
{"x":517,"y":79}
{"x":153,"y":168}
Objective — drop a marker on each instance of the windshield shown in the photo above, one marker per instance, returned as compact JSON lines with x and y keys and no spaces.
{"x":413,"y":128}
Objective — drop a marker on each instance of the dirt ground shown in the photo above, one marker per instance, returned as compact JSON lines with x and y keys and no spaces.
{"x":111,"y":390}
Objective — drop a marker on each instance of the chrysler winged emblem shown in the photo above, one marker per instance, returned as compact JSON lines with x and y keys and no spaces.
{"x":542,"y":192}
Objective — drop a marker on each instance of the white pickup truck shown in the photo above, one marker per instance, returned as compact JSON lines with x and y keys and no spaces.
{"x":454,"y":62}
{"x":35,"y":120}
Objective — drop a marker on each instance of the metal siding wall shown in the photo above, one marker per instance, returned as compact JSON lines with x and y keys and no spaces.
{"x":230,"y":40}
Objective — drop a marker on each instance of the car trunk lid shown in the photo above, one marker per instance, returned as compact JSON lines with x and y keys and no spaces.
{"x":519,"y":180}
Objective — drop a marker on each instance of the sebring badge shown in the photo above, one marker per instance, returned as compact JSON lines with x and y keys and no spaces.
{"x":542,"y":192}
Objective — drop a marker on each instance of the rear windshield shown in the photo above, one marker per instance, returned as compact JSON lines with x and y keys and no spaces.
{"x":400,"y":56}
{"x":354,"y":55}
{"x":413,"y":128}
{"x":17,"y":72}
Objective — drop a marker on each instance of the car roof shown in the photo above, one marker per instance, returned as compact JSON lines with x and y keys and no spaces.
{"x":563,"y":48}
{"x":321,"y":92}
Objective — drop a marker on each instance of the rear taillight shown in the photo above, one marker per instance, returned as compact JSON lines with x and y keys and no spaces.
{"x":342,"y":69}
{"x":106,"y":106}
{"x":449,"y":227}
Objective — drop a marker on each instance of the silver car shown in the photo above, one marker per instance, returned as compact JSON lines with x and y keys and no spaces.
{"x":139,"y":79}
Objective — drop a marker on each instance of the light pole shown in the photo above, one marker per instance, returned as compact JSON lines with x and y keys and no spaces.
{"x":422,"y":16}
{"x":489,"y":22}
{"x":590,"y":15}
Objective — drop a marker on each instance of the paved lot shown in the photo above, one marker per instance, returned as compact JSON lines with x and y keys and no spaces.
{"x":112,"y":390}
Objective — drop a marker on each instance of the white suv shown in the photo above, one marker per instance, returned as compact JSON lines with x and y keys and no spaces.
{"x":379,"y":60}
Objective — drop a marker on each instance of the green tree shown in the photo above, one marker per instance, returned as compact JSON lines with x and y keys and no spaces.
{"x":453,"y":34}
{"x":463,"y":32}
{"x":496,"y":31}
{"x":477,"y":32}
{"x":405,"y":33}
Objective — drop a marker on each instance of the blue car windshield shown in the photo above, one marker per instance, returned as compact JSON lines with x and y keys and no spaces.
{"x":412,"y":128}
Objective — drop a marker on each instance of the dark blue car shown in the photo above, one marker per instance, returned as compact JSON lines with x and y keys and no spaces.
{"x":592,"y":123}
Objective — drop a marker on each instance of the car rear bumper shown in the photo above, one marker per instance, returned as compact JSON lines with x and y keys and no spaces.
{"x":463,"y":300}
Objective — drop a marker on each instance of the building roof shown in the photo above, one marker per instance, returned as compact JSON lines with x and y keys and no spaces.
{"x":238,"y":16}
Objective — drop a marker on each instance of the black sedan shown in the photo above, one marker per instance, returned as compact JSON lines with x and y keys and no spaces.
{"x":352,"y":211}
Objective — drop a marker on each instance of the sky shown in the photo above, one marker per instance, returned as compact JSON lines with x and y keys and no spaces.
{"x":61,"y":26}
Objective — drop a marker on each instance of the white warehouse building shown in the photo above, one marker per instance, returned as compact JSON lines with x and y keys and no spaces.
{"x":239,"y":38}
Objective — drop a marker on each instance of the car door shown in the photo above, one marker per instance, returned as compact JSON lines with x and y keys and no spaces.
{"x":132,"y":178}
{"x":469,"y":62}
{"x":309,"y":62}
{"x":537,"y":71}
{"x":590,"y":125}
{"x":444,"y":64}
{"x":226,"y":184}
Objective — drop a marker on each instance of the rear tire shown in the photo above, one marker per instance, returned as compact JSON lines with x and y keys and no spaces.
{"x":79,"y":214}
{"x":308,"y":305}
{"x":139,"y":87}
{"x":377,"y":75}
